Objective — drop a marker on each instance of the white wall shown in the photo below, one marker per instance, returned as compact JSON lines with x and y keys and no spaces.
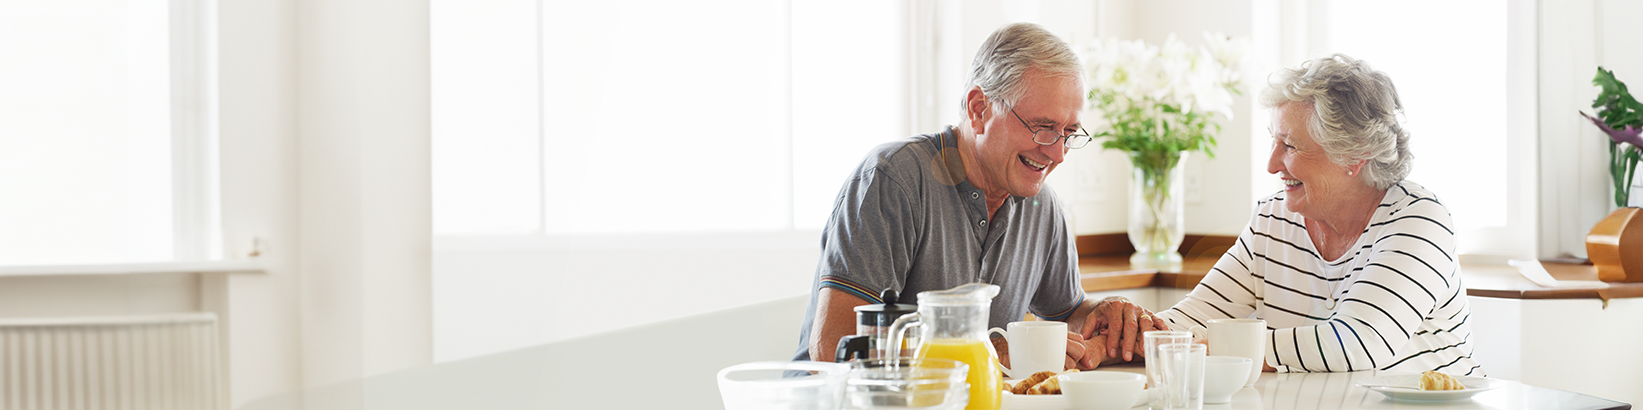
{"x":496,"y":297}
{"x":363,"y":202}
{"x":324,"y":159}
{"x":257,"y":86}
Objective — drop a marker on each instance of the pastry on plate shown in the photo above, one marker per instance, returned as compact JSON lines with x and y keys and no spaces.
{"x":1028,"y":383}
{"x":1431,"y":380}
{"x":1050,"y":385}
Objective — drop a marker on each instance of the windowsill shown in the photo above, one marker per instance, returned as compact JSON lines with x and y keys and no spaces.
{"x":233,"y":266}
{"x":1112,"y":271}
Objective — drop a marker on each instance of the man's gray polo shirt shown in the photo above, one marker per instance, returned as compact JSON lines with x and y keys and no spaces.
{"x":907,"y":220}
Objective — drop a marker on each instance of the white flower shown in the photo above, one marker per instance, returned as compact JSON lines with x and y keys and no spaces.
{"x":1229,"y":52}
{"x":1132,"y":83}
{"x":1206,"y":82}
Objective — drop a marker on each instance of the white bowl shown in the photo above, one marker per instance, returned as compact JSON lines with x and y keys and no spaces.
{"x":1102,"y":390}
{"x":787,"y":385}
{"x":1223,"y":376}
{"x":907,"y":383}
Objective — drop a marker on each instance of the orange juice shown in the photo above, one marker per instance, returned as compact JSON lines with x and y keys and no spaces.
{"x":986,"y":385}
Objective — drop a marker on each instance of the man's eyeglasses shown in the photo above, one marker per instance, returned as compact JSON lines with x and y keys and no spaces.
{"x":1049,"y":136}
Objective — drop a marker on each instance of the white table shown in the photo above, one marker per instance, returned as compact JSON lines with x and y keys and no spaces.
{"x":671,"y":365}
{"x":1340,"y":391}
{"x":1327,"y":391}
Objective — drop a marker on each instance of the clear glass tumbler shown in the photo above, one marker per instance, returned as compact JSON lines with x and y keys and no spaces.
{"x":1151,"y":341}
{"x":1183,"y":375}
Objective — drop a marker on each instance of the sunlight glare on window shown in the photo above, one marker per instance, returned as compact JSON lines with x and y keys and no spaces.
{"x":1448,"y":61}
{"x":85,"y":137}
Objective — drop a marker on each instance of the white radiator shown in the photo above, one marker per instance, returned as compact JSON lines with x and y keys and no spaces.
{"x":126,"y":362}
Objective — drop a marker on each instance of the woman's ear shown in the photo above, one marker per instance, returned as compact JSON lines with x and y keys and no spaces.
{"x":977,"y":110}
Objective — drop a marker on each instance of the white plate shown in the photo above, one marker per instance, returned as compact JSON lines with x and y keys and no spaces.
{"x":1474,"y":385}
{"x":1047,"y":401}
{"x":1034,"y":402}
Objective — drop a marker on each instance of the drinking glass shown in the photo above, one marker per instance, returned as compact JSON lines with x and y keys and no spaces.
{"x":1151,"y":341}
{"x":1182,"y":371}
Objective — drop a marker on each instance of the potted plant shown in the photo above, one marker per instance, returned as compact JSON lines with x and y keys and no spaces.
{"x":1615,"y":244}
{"x":1160,"y":104}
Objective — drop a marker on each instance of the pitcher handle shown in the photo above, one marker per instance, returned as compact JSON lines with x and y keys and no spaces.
{"x":994,"y":349}
{"x":852,"y":347}
{"x":898,"y":329}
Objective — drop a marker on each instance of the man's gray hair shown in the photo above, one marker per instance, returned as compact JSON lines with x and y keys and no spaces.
{"x":1356,"y":114}
{"x":1005,"y":57}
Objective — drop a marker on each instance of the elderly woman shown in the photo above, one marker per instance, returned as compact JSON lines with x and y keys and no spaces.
{"x":1351,"y":266}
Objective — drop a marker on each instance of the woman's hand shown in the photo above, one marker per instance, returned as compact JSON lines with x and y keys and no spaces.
{"x":1089,"y":352}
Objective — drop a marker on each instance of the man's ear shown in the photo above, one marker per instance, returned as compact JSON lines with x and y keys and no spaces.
{"x":977,"y":110}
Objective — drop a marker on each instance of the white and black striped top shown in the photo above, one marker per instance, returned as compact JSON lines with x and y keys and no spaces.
{"x":1398,"y":300}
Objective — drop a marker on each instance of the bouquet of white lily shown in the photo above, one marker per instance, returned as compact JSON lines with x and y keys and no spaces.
{"x":1157,"y":105}
{"x":1163,"y":99}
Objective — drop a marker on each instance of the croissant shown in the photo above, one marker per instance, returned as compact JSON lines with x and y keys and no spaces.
{"x":1051,"y":385}
{"x":1431,"y":380}
{"x":1030,"y":381}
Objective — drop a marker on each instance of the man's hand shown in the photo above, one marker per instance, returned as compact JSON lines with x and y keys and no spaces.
{"x":1122,"y":323}
{"x":1084,"y":354}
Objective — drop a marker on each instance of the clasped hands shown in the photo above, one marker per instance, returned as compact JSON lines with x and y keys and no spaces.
{"x":1108,"y":333}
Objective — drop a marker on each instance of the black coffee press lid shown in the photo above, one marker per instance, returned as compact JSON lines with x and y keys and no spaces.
{"x":885,"y":314}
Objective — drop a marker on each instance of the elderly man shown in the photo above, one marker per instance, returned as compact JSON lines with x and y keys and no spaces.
{"x":969,"y":204}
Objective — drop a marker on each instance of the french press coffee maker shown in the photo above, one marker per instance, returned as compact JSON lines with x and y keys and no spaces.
{"x":873,"y":329}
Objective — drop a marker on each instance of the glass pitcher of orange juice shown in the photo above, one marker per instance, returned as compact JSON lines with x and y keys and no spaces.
{"x":953,"y":325}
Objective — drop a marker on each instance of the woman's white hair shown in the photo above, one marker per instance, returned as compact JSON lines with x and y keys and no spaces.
{"x":1356,"y":114}
{"x":1005,"y":57}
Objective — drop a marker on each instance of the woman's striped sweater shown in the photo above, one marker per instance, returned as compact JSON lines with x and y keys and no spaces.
{"x":1398,"y":299}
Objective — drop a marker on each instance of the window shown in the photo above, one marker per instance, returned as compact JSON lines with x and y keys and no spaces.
{"x":1452,"y":78}
{"x":576,"y":118}
{"x":638,"y":144}
{"x":106,"y":152}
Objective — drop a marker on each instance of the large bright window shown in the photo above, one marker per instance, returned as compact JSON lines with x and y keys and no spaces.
{"x":645,"y":116}
{"x":104,"y":132}
{"x":641,"y":145}
{"x":1449,"y":61}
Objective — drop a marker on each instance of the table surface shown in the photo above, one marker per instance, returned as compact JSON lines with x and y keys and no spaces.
{"x":1324,"y":391}
{"x":634,"y":369}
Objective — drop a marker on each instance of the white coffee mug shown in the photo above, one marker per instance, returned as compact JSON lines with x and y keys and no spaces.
{"x":1035,"y":347}
{"x":1238,"y":338}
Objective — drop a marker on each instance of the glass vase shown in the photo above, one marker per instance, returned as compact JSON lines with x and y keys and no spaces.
{"x":1156,"y":223}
